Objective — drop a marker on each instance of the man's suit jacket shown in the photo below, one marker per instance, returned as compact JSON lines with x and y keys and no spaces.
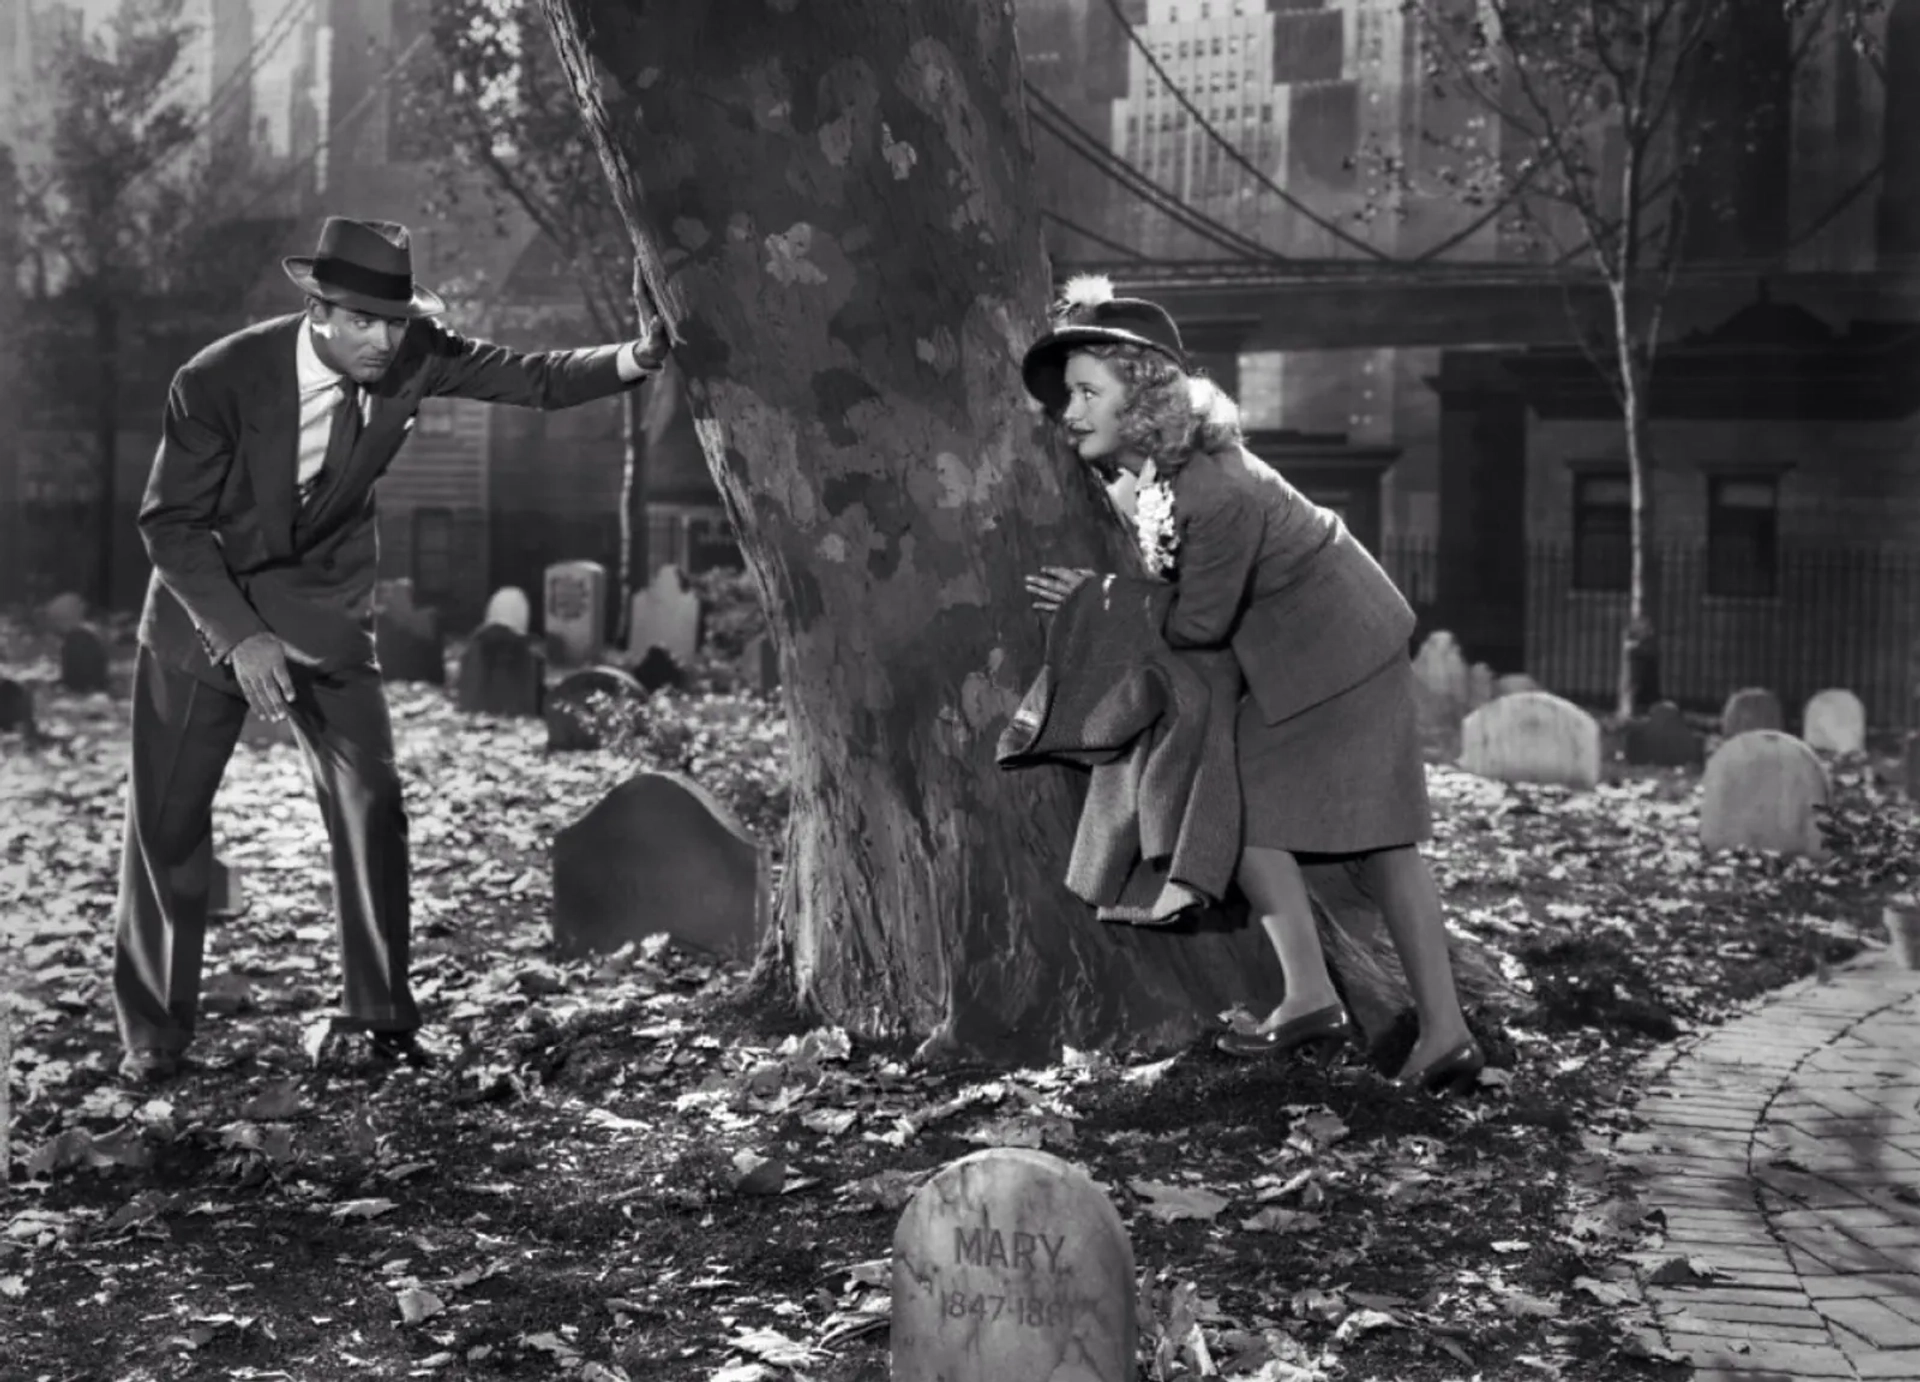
{"x":233,"y":551}
{"x":1264,"y":569}
{"x":1157,"y":729}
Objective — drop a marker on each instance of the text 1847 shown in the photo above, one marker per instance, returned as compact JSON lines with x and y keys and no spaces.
{"x":1035,"y":1312}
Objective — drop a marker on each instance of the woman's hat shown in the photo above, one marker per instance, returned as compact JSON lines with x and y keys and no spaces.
{"x":366,"y":266}
{"x":1089,"y":314}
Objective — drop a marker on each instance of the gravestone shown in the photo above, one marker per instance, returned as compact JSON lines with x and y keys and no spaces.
{"x":226,"y":897}
{"x":500,"y":673}
{"x":83,"y":661}
{"x":1759,"y":792}
{"x":1514,"y":681}
{"x":407,"y":640}
{"x":1752,"y":707}
{"x":658,"y":670}
{"x":16,"y":706}
{"x":762,"y":665}
{"x":1834,"y":722}
{"x":511,"y":609}
{"x":1480,"y":681}
{"x":1532,"y":736}
{"x":1012,"y":1264}
{"x":595,"y":708}
{"x":1443,"y":689}
{"x":664,"y":615}
{"x":66,"y":612}
{"x":1664,"y":739}
{"x":659,"y":853}
{"x":576,"y":602}
{"x":1911,"y":765}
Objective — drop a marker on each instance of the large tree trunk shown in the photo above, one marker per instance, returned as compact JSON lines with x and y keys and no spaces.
{"x":106,"y":431}
{"x":834,"y":206}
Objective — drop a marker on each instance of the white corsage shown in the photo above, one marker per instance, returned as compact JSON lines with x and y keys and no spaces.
{"x":1153,"y":521}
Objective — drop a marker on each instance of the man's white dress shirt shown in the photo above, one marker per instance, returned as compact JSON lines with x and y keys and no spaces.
{"x":320,"y":393}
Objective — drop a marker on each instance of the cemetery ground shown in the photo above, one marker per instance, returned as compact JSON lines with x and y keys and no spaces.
{"x":621,"y":1168}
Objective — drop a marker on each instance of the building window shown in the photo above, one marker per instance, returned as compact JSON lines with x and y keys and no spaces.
{"x":1742,"y":535}
{"x":432,"y":555}
{"x":1602,"y":532}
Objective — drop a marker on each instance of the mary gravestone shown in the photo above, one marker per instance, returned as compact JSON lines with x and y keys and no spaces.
{"x":1011,"y":1264}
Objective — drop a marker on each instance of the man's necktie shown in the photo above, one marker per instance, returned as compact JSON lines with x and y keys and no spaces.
{"x":340,"y":439}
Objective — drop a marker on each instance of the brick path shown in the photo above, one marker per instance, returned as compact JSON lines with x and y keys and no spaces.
{"x":1784,"y":1148}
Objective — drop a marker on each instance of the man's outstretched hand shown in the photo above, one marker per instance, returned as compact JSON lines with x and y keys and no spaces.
{"x":649,"y":353}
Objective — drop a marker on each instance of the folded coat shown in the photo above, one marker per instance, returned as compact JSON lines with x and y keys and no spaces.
{"x":1156,"y":727}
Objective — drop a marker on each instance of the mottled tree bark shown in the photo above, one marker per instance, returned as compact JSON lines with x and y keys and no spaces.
{"x":834,"y":207}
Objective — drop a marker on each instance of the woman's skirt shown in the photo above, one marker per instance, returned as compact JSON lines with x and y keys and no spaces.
{"x":1345,"y":776}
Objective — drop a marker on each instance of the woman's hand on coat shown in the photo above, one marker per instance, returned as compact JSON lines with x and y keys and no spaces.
{"x":1051,"y":585}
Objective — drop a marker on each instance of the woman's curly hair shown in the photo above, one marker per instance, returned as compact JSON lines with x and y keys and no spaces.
{"x":1168,"y":414}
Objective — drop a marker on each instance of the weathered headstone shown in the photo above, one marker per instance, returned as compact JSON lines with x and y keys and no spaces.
{"x":500,"y":673}
{"x":576,"y":602}
{"x":1012,"y":1264}
{"x":595,"y":708}
{"x":1759,"y":792}
{"x":664,"y":615}
{"x":83,"y":660}
{"x":659,"y":853}
{"x":1480,"y":681}
{"x":226,"y":897}
{"x":1664,"y":739}
{"x":66,"y":612}
{"x":658,"y":670}
{"x":1443,"y":690}
{"x":1751,"y":707}
{"x":1514,"y":681}
{"x":762,"y":663}
{"x":511,"y":609}
{"x":1532,"y":736}
{"x":1834,"y":722}
{"x":16,"y":706}
{"x":407,"y":639}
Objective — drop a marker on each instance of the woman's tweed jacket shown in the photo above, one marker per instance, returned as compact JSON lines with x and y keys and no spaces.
{"x":1156,"y":727}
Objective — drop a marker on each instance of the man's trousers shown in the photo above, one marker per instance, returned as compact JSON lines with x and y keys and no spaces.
{"x":184,"y":731}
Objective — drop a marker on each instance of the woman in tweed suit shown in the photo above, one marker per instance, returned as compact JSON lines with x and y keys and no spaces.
{"x":1328,"y":735}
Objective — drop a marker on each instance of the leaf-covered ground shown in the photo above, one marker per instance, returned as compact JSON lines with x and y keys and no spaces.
{"x":618,"y":1170}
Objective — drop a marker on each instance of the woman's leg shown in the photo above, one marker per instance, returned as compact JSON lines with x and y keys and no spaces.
{"x":1272,"y":881}
{"x":1400,"y":882}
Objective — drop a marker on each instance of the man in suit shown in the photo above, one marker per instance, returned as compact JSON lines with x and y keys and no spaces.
{"x":259,"y":517}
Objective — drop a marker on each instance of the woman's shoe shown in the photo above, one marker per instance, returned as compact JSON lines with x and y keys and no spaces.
{"x":1453,"y":1072}
{"x":1328,"y":1024}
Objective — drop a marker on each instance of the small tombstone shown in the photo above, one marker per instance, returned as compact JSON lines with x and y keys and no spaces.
{"x":511,"y":609}
{"x":1664,"y":739}
{"x":1532,"y":736}
{"x":1512,"y":682}
{"x":657,"y":670}
{"x":16,"y":706}
{"x":1442,"y":668}
{"x":1759,"y":792}
{"x":407,"y":640}
{"x":576,"y":600}
{"x":762,"y":661}
{"x":595,"y":708}
{"x":83,"y":661}
{"x":226,"y":897}
{"x":664,"y":615}
{"x":500,"y":674}
{"x":1835,"y":722}
{"x":659,"y":853}
{"x":1752,"y":707}
{"x":1011,"y":1263}
{"x":263,"y":734}
{"x":66,"y":612}
{"x":1911,"y":765}
{"x":1479,"y":685}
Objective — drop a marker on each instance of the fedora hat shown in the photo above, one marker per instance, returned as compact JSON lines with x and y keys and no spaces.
{"x":1089,"y":314}
{"x":366,"y":266}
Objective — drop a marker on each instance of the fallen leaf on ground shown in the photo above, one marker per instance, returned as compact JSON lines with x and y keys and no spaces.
{"x":1169,"y":1203}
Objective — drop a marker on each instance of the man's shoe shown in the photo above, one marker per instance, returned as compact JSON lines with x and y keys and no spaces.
{"x":150,"y":1066}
